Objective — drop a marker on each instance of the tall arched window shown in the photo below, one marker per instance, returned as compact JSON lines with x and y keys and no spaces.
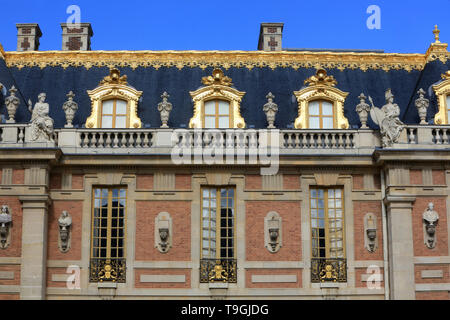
{"x":442,"y":91}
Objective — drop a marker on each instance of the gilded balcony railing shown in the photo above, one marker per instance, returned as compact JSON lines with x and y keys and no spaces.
{"x":218,"y":270}
{"x":107,"y":270}
{"x":328,"y":270}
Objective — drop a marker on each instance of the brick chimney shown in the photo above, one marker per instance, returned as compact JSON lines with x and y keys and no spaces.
{"x":28,"y":35}
{"x":270,"y":36}
{"x":78,"y":38}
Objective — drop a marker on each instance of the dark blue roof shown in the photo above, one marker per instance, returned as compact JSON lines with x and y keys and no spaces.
{"x":56,"y":82}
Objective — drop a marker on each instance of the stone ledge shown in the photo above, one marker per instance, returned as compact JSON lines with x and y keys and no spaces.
{"x":274,"y":278}
{"x":146,"y":278}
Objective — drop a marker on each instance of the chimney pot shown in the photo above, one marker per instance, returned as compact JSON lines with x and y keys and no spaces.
{"x":76,"y":37}
{"x":28,"y":35}
{"x":270,"y":36}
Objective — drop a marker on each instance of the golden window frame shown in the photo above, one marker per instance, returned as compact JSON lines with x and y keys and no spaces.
{"x":442,"y":91}
{"x":217,"y":87}
{"x":321,"y":87}
{"x":114,"y":87}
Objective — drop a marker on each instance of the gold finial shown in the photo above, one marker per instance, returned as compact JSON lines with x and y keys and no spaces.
{"x":217,"y":77}
{"x":114,"y":78}
{"x":321,"y":77}
{"x":436,"y":34}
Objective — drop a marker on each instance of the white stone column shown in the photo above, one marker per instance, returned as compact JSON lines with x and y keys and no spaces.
{"x":400,"y":242}
{"x":34,"y":247}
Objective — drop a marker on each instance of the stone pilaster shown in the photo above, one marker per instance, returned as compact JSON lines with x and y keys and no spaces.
{"x":34,"y":247}
{"x":401,"y":252}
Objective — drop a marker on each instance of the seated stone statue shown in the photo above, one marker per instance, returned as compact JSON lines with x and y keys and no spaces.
{"x":387,"y":119}
{"x":41,"y":123}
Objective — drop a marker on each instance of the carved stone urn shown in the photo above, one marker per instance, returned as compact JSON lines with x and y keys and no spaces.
{"x":70,"y":107}
{"x":164,"y":109}
{"x":363,"y":111}
{"x":12,"y":103}
{"x":422,"y":105}
{"x":270,"y":109}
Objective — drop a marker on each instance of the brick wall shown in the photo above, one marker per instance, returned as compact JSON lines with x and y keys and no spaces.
{"x":55,"y":181}
{"x":358,"y":182}
{"x":11,"y":268}
{"x":289,"y":211}
{"x":438,"y":177}
{"x":144,"y":182}
{"x":433,"y":295}
{"x":15,"y":247}
{"x":182,"y":181}
{"x":441,"y":248}
{"x":56,"y":284}
{"x":75,"y":209}
{"x":18,"y":176}
{"x":359,"y":283}
{"x":253,"y":182}
{"x":77,"y":181}
{"x":415,"y":176}
{"x":250,"y":272}
{"x":185,"y":272}
{"x":291,"y":181}
{"x":418,"y":268}
{"x":180,"y":211}
{"x":6,"y":296}
{"x":360,"y":209}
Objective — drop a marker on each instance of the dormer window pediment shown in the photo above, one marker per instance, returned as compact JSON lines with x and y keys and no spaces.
{"x":114,"y":103}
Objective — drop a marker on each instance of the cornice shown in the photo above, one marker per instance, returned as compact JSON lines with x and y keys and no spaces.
{"x":223,"y":59}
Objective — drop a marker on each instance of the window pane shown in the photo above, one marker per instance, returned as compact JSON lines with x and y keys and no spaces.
{"x":327,"y":123}
{"x":314,"y":123}
{"x":108,"y":107}
{"x":314,"y":108}
{"x":210,"y":122}
{"x":121,"y":122}
{"x":224,"y":122}
{"x":107,"y":122}
{"x":210,"y":107}
{"x":224,"y":107}
{"x":121,"y":107}
{"x":327,"y":108}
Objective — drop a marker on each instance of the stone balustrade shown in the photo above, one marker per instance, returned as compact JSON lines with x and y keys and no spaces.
{"x":162,"y":141}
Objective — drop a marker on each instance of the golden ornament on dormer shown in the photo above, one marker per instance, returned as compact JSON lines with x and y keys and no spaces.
{"x":446,"y":75}
{"x":217,"y":77}
{"x":114,"y":78}
{"x":321,"y":77}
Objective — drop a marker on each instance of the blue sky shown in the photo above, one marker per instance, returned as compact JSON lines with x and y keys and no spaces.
{"x":406,"y":26}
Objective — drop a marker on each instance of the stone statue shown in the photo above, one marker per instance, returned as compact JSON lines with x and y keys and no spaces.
{"x":5,"y":223}
{"x":387,"y":119}
{"x":422,"y":105}
{"x":12,"y":103}
{"x":430,"y":219}
{"x":70,"y":107}
{"x":65,"y":223}
{"x":363,"y":110}
{"x":41,"y":123}
{"x":271,"y":109}
{"x":164,"y":109}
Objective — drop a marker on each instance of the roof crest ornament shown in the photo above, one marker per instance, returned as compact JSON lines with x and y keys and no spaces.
{"x":114,"y":78}
{"x":217,"y":78}
{"x":321,"y":77}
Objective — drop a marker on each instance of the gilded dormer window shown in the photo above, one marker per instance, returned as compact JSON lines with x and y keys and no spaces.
{"x":442,"y":91}
{"x":321,"y":105}
{"x":217,"y":104}
{"x":114,"y":103}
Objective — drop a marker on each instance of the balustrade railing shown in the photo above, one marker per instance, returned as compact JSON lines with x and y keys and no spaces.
{"x":101,"y":138}
{"x":328,"y":269}
{"x":319,"y":139}
{"x":218,"y":270}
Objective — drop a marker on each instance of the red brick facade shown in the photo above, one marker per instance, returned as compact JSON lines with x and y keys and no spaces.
{"x":291,"y":182}
{"x":289,"y":211}
{"x":146,"y":212}
{"x":253,"y":182}
{"x":15,"y":247}
{"x":358,"y":182}
{"x":415,"y":177}
{"x":182,"y":181}
{"x":360,"y":209}
{"x":144,"y":182}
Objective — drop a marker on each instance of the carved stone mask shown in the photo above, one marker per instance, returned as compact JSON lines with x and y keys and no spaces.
{"x":164,"y":234}
{"x":273,"y":234}
{"x":431,"y":229}
{"x":371,"y":234}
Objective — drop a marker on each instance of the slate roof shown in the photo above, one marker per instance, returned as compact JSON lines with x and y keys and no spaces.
{"x":57,"y":80}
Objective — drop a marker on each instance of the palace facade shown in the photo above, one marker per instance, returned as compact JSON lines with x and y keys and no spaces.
{"x":269,"y":174}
